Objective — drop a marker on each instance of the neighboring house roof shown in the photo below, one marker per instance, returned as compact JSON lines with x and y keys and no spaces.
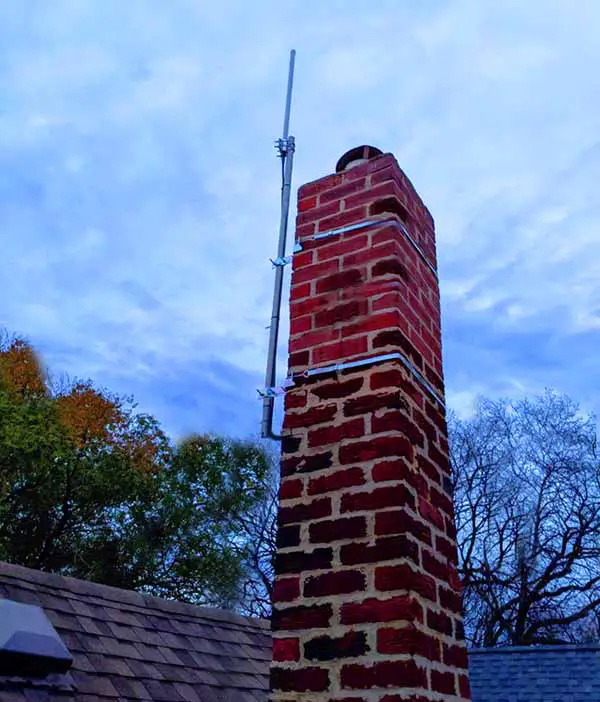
{"x":535,"y":674}
{"x":129,"y":646}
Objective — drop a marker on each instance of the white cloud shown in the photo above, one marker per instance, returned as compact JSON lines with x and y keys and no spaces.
{"x":139,"y":188}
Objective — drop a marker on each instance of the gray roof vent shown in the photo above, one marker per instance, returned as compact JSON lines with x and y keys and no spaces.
{"x":29,"y":644}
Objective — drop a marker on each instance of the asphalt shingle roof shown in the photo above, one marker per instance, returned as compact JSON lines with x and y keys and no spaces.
{"x":535,"y":674}
{"x":128,"y":646}
{"x":132,"y":647}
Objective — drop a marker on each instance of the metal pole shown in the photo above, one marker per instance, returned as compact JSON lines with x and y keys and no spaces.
{"x":286,"y":146}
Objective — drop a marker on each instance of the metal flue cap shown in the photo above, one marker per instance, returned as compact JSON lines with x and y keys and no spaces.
{"x":356,"y":156}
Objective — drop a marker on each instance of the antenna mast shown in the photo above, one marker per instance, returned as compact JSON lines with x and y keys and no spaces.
{"x":285,"y":147}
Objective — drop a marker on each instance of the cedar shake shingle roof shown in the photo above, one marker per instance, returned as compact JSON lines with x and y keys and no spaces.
{"x":128,"y":646}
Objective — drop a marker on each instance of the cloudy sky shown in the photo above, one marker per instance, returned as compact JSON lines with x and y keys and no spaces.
{"x":139,"y":184}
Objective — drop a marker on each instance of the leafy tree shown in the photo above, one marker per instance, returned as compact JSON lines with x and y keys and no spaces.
{"x":91,"y":488}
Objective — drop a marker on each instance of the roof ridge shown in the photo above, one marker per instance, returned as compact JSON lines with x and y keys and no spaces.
{"x":75,"y":588}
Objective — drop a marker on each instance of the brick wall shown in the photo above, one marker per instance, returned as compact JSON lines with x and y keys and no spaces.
{"x":367,"y":600}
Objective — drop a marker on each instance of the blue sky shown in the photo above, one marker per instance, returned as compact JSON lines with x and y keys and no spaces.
{"x":139,"y":185}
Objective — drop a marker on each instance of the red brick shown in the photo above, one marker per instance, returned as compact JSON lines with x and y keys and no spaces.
{"x":318,"y":461}
{"x":442,"y":502}
{"x":308,"y":203}
{"x":438,"y":621}
{"x":329,"y":209}
{"x":446,"y":548}
{"x":304,"y":274}
{"x":344,"y":279}
{"x":395,"y":469}
{"x":286,"y":589}
{"x":299,"y":359}
{"x":363,"y":404}
{"x":335,"y":583}
{"x":379,"y":498}
{"x":398,"y":421}
{"x":427,"y":468}
{"x":375,"y":322}
{"x":464,"y":687}
{"x":395,"y":339}
{"x":290,"y":444}
{"x":316,"y":187}
{"x":301,"y":260}
{"x":342,"y":219}
{"x":443,"y":682}
{"x":288,"y":536}
{"x":295,"y":399}
{"x":298,"y":561}
{"x":401,"y":608}
{"x":440,"y":459}
{"x":436,"y":416}
{"x":286,"y":649}
{"x":450,"y":600}
{"x":298,"y":325}
{"x":387,"y":379}
{"x":290,"y":489}
{"x":408,"y":640}
{"x":314,"y":338}
{"x":372,"y":194}
{"x":337,"y":480}
{"x":299,"y":308}
{"x":341,"y":191}
{"x":369,"y":254}
{"x":340,"y":350}
{"x":389,"y":266}
{"x":342,"y":312}
{"x":403,"y":674}
{"x":389,"y":548}
{"x":343,"y":244}
{"x":401,"y":522}
{"x":315,"y":415}
{"x":305,"y":230}
{"x":431,"y":514}
{"x":301,"y":680}
{"x":338,"y":388}
{"x":403,"y":577}
{"x":327,"y":648}
{"x":317,"y":509}
{"x":299,"y":292}
{"x":435,"y":567}
{"x":353,"y":429}
{"x":455,"y":656}
{"x":301,"y":617}
{"x":327,"y":531}
{"x":379,"y":447}
{"x":425,"y":425}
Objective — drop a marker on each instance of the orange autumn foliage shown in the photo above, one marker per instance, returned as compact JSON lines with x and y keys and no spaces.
{"x":87,"y":415}
{"x":90,"y":417}
{"x":20,"y":370}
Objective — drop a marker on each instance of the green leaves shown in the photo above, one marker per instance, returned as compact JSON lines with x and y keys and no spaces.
{"x":91,"y":488}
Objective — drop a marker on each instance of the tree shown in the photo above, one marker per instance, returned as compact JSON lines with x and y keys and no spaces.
{"x":91,"y":488}
{"x":527,"y":506}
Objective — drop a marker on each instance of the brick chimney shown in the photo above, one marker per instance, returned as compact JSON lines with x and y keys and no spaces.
{"x":367,"y":602}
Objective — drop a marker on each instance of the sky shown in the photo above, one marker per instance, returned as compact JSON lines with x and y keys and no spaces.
{"x":139,"y":185}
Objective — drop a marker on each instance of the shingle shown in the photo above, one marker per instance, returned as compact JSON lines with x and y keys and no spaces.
{"x":133,"y":647}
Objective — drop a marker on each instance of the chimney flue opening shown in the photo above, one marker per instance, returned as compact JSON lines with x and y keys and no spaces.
{"x":356,"y":156}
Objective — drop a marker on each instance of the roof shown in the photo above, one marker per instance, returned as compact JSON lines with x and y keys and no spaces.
{"x":535,"y":674}
{"x":129,"y":646}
